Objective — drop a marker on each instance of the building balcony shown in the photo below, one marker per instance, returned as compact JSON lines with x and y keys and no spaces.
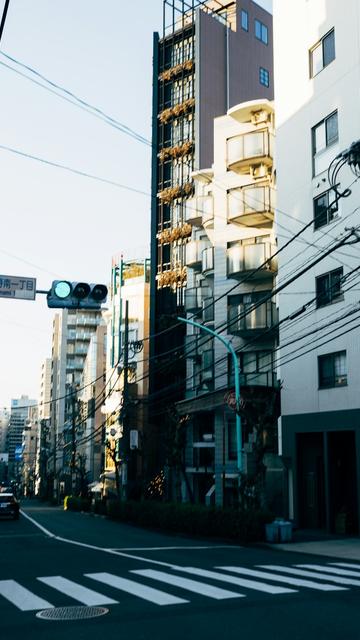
{"x":194,"y":250}
{"x":195,"y":297}
{"x":250,"y":258}
{"x":200,"y":210}
{"x":207,"y":374}
{"x":245,"y":319}
{"x":250,"y":149}
{"x":251,"y":206}
{"x":207,"y":259}
{"x":257,"y":379}
{"x":208,"y":310}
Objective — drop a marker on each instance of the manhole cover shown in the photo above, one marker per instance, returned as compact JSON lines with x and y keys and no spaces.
{"x":71,"y":613}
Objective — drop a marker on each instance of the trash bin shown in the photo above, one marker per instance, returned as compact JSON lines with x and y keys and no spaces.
{"x":285,"y":531}
{"x":272,"y":532}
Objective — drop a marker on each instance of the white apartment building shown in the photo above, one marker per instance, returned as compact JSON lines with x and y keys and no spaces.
{"x":92,"y":397}
{"x":4,"y":424}
{"x":317,"y":73}
{"x":45,"y":390}
{"x":72,"y":331}
{"x":232,"y":237}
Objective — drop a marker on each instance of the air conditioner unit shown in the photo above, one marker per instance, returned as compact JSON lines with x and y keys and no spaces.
{"x":259,"y":171}
{"x":259,"y":117}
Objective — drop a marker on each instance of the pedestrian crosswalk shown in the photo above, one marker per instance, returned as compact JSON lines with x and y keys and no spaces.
{"x":215,"y":583}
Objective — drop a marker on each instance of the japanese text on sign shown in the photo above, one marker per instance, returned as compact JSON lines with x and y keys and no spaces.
{"x":17,"y":287}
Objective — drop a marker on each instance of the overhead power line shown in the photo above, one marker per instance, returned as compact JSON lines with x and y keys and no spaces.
{"x":71,"y":97}
{"x":72,"y":170}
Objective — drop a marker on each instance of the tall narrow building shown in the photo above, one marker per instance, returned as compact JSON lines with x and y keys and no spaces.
{"x":211,"y":56}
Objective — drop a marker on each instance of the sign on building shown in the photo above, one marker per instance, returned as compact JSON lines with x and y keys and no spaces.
{"x":18,"y":287}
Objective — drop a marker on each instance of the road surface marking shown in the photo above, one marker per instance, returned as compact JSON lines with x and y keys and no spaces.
{"x":296,"y":582}
{"x":223,"y":546}
{"x":22,"y":598}
{"x":241,"y":582}
{"x":339,"y":572}
{"x":77,"y":591}
{"x":346,"y":564}
{"x":39,"y":526}
{"x":135,"y":588}
{"x":310,"y":574}
{"x":191,"y":585}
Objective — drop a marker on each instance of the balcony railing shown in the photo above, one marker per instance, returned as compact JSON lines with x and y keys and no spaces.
{"x":256,"y":379}
{"x":207,"y":365}
{"x":248,"y":258}
{"x":194,"y":250}
{"x":208,"y":310}
{"x":244,"y":318}
{"x":207,"y":259}
{"x":199,"y":210}
{"x":249,"y":148}
{"x":194,"y":298}
{"x":251,"y":206}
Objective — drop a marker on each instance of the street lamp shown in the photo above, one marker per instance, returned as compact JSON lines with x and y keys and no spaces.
{"x":231,"y":350}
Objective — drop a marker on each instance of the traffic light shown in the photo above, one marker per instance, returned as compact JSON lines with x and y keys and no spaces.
{"x":76,"y":295}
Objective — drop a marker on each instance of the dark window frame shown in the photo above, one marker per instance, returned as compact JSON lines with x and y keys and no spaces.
{"x":324,"y":53}
{"x":244,"y":20}
{"x":326,"y":213}
{"x":328,"y":288}
{"x":263,"y":34}
{"x":264,"y":77}
{"x":328,"y":141}
{"x":333,"y":380}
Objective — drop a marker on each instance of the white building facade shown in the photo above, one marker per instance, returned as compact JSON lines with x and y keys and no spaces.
{"x":317,"y":70}
{"x":229,"y":273}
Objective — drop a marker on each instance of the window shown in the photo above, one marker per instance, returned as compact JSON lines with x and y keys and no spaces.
{"x":328,"y":287}
{"x":244,"y":20}
{"x":332,"y":370}
{"x":325,"y":209}
{"x":322,"y":53}
{"x":324,"y":134}
{"x":264,"y":76}
{"x":261,"y":31}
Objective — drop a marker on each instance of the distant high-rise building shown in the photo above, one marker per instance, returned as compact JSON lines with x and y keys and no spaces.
{"x":23,"y":414}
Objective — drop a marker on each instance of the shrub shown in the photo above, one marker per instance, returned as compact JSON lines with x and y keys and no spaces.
{"x":237,"y":524}
{"x":75,"y":503}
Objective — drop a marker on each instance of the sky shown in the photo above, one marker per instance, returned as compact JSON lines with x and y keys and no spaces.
{"x":55,"y":224}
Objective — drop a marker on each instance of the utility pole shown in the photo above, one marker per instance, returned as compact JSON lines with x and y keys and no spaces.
{"x":73,"y":439}
{"x":126,"y":432}
{"x":2,"y":25}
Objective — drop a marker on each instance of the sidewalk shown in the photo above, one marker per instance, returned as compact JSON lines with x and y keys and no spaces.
{"x":322,"y":544}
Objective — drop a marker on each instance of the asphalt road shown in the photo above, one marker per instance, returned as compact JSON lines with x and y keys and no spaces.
{"x":155,"y":586}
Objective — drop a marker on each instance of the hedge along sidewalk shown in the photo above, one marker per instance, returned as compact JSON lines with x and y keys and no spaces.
{"x":235,"y":524}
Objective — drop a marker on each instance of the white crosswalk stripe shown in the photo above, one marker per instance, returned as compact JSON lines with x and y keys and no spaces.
{"x":333,"y":570}
{"x":241,"y":582}
{"x":22,"y":598}
{"x":77,"y":591}
{"x":346,"y":564}
{"x":137,"y":589}
{"x":186,"y":583}
{"x":311,"y":574}
{"x":296,"y":582}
